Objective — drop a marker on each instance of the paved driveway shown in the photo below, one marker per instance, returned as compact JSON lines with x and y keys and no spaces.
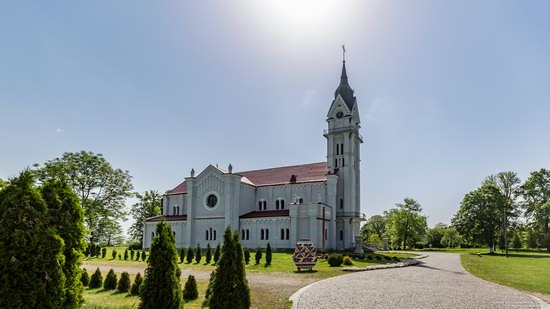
{"x":438,"y":282}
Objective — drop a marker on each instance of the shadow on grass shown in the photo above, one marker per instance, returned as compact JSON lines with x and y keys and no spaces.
{"x":517,"y":255}
{"x":310,"y":271}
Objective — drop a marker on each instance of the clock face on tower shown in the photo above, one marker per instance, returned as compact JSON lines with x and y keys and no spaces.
{"x":339,"y":115}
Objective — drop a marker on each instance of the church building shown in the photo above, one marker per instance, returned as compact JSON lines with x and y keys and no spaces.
{"x":280,"y":205}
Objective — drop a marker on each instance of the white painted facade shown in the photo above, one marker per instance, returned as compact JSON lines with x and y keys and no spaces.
{"x":318,"y":201}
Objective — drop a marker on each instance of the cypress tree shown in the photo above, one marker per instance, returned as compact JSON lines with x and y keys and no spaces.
{"x":182,"y":254}
{"x":124,"y":283}
{"x":31,"y":252}
{"x":258,"y":255}
{"x":268,"y":255}
{"x":132,"y":254}
{"x":138,"y":255}
{"x":126,"y":254}
{"x":208,"y":256}
{"x":247,"y":256}
{"x":96,"y":281}
{"x":119,"y":256}
{"x":103,"y":252}
{"x":110,"y":280}
{"x":208,"y":291}
{"x":217,"y":253}
{"x":190,"y":291}
{"x":229,"y":285}
{"x":113,"y":254}
{"x":67,"y":217}
{"x":198,"y":255}
{"x":162,"y":276}
{"x":85,"y":278}
{"x":143,"y":255}
{"x":137,"y":283}
{"x":190,"y":255}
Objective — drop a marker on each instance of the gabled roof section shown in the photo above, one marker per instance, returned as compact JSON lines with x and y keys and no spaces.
{"x":344,"y":89}
{"x":303,"y":173}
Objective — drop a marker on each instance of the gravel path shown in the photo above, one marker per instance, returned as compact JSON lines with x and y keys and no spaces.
{"x":439,"y":281}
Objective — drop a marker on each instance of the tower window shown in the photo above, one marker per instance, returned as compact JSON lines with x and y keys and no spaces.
{"x":266,"y":234}
{"x":247,"y":234}
{"x":242,"y":234}
{"x":337,"y":149}
{"x":287,"y":233}
{"x":341,"y":235}
{"x":341,"y":203}
{"x":277,"y":204}
{"x":282,"y":204}
{"x":207,"y":235}
{"x":282,"y":234}
{"x":260,"y":205}
{"x":214,"y":234}
{"x":262,"y":234}
{"x":335,"y":162}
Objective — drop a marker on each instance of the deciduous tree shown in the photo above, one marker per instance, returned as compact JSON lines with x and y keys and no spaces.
{"x":536,"y":194}
{"x":149,"y":205}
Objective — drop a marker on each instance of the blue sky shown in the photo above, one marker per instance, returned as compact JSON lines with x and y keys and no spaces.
{"x":448,"y":91}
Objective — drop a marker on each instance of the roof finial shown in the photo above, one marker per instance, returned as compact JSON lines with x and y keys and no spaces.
{"x":343,"y":52}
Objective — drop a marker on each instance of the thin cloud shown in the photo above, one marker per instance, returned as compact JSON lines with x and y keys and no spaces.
{"x":59,"y":130}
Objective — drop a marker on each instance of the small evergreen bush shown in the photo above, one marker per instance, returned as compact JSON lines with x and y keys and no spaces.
{"x":182,"y":254}
{"x":268,"y":254}
{"x":198,"y":255}
{"x":335,"y":260}
{"x":132,"y":253}
{"x":258,"y":255}
{"x":96,"y":281}
{"x":119,"y":256}
{"x":125,"y":255}
{"x":190,"y":291}
{"x":103,"y":252}
{"x":208,"y":256}
{"x":369,"y":257}
{"x":387,"y":258}
{"x":85,"y":278}
{"x":143,"y":255}
{"x":395,"y":258}
{"x":137,"y":283}
{"x":124,"y":283}
{"x":138,"y":255}
{"x":247,"y":256}
{"x":379,"y":258}
{"x":347,"y":261}
{"x":113,"y":254}
{"x":190,"y":255}
{"x":217,"y":253}
{"x":110,"y":280}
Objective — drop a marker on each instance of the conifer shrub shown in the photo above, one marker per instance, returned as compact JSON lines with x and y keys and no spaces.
{"x":67,"y":217}
{"x":190,"y":291}
{"x":113,"y":254}
{"x":126,"y":254}
{"x":217,"y":253}
{"x":103,"y":252}
{"x":138,"y":255}
{"x":247,"y":256}
{"x":190,"y":255}
{"x":143,"y":255}
{"x":208,"y":291}
{"x":29,"y":248}
{"x":124,"y":283}
{"x":395,"y":258}
{"x":387,"y":258}
{"x":182,"y":254}
{"x":161,"y":284}
{"x":379,"y":258}
{"x":198,"y":254}
{"x":119,"y":256}
{"x":96,"y":280}
{"x":347,"y":261}
{"x":258,"y":256}
{"x":137,"y":283}
{"x":132,"y":253}
{"x":110,"y":280}
{"x":369,"y":257}
{"x":268,"y":254}
{"x":228,"y":287}
{"x":208,"y":256}
{"x":335,"y":260}
{"x":85,"y":278}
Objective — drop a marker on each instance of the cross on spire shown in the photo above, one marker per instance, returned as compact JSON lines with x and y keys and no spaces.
{"x":344,"y":53}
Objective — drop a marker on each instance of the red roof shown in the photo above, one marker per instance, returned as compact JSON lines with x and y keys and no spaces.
{"x":311,"y":172}
{"x":166,"y":218}
{"x":266,"y":213}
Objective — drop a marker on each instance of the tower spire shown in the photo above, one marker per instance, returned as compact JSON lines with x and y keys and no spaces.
{"x":344,"y":88}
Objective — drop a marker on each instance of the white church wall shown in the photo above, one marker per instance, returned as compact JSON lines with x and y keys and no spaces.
{"x":255,"y":227}
{"x":215,"y":229}
{"x":247,"y":199}
{"x":210,"y":183}
{"x":176,"y":200}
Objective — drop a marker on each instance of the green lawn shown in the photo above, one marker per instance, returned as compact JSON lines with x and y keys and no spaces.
{"x":529,"y":271}
{"x":281,"y":266}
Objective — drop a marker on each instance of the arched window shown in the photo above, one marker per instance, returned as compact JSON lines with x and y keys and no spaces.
{"x":300,"y":201}
{"x":341,"y":235}
{"x":247,"y":234}
{"x":152,"y":235}
{"x":173,"y":210}
{"x":335,"y":162}
{"x":211,"y":234}
{"x":242,"y":234}
{"x":282,"y":234}
{"x":206,"y":234}
{"x":343,"y":162}
{"x":287,"y":234}
{"x":214,"y":234}
{"x":262,"y":234}
{"x":260,"y":205}
{"x":277,"y":204}
{"x":341,"y":203}
{"x":174,"y":232}
{"x":265,"y":205}
{"x":282,"y":204}
{"x":266,"y":234}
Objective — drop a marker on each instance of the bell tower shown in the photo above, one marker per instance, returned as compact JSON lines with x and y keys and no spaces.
{"x":343,"y":160}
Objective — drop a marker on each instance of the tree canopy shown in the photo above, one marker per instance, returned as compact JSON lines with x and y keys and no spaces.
{"x":149,"y":205}
{"x":536,"y":195}
{"x":406,"y":224}
{"x":101,"y":189}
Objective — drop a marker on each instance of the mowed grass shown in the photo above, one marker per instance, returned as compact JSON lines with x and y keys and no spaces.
{"x":528,"y":271}
{"x":281,"y":263}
